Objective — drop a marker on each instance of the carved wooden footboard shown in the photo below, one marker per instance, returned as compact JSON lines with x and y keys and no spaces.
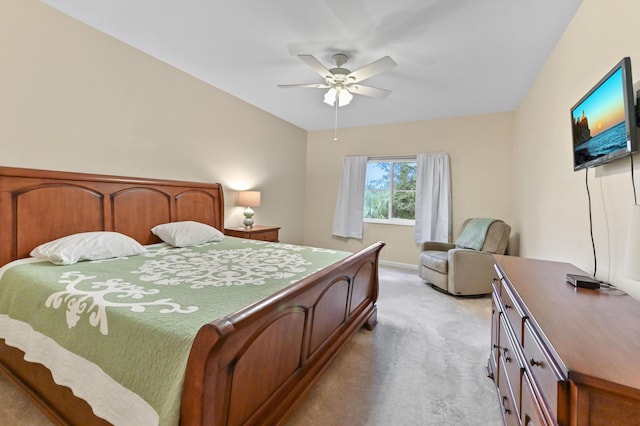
{"x":251,"y":367}
{"x":254,"y":366}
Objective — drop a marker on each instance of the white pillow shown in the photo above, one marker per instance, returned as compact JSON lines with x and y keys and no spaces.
{"x":88,"y":246}
{"x":187,"y":233}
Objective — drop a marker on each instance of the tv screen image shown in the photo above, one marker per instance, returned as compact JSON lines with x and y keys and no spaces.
{"x":603,"y":121}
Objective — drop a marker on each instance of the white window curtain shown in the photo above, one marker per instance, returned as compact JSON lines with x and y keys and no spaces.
{"x":433,"y":198}
{"x":347,"y":221}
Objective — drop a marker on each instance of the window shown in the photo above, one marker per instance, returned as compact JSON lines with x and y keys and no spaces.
{"x":390,"y":191}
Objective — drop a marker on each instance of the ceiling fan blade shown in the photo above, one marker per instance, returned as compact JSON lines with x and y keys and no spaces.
{"x":374,"y":68}
{"x":305,"y":86}
{"x":374,"y":92}
{"x":316,"y":65}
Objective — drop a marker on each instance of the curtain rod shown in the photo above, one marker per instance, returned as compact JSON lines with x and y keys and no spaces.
{"x":386,"y":157}
{"x":394,"y":156}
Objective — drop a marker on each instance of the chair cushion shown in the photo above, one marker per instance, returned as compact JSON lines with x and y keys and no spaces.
{"x":435,"y":260}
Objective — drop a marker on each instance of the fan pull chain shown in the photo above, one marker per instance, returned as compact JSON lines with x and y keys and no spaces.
{"x":335,"y":130}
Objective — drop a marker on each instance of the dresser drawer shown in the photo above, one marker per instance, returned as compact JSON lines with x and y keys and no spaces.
{"x":507,"y":405}
{"x":495,"y":334}
{"x":513,"y":311}
{"x":510,"y":362}
{"x":531,"y":412}
{"x":265,"y":236}
{"x":544,"y":372}
{"x":256,"y":232}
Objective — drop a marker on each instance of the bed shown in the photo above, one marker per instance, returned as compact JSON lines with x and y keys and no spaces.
{"x":293,"y":333}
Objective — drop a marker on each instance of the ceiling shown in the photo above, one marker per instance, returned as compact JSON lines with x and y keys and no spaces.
{"x":454,"y":57}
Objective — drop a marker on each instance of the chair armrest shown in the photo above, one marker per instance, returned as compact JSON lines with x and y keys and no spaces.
{"x":471,"y":257}
{"x":436,"y":246}
{"x":472,"y":270}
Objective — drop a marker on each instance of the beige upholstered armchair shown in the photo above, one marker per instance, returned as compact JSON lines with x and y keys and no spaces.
{"x":466,"y":267}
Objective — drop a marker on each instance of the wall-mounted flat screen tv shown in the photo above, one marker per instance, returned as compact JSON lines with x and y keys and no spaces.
{"x":603,"y":122}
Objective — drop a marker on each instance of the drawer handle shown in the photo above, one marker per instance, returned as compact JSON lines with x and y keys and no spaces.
{"x":535,"y":363}
{"x":527,"y":420}
{"x":505,"y":400}
{"x":504,"y":354}
{"x":508,"y":306}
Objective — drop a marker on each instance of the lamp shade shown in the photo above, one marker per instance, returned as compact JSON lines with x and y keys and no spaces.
{"x":249,"y":198}
{"x":632,"y":260}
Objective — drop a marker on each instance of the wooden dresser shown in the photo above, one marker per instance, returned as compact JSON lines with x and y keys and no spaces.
{"x":256,"y":232}
{"x":560,"y":354}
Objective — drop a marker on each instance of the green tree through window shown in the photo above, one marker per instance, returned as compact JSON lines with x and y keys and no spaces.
{"x":390,"y":190}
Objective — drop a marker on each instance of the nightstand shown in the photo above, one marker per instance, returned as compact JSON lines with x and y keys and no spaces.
{"x":257,"y":232}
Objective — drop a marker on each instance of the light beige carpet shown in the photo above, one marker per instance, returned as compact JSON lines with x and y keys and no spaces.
{"x":424,"y":364}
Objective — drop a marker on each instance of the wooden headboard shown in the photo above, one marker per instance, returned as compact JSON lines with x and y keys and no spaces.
{"x":37,"y":206}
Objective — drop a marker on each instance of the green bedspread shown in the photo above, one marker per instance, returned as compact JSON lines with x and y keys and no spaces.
{"x":130,"y":322}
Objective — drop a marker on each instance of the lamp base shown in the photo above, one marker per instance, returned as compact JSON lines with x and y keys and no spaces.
{"x":248,"y":217}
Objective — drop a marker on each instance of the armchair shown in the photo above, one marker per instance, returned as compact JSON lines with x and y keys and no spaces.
{"x":465,"y":268}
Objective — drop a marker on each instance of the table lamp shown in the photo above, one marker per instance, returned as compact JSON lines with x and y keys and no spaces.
{"x":248,"y":199}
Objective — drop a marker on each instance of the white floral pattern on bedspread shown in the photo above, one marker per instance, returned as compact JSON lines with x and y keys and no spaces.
{"x":251,"y":265}
{"x":93,"y":301}
{"x":147,"y":305}
{"x":83,"y":295}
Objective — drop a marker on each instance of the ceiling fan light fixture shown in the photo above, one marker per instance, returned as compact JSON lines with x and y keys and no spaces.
{"x":330,"y":97}
{"x":341,"y":81}
{"x":340,"y":94}
{"x":344,"y":97}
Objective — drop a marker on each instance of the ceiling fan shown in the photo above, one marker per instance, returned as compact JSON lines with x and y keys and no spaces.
{"x":343,"y":83}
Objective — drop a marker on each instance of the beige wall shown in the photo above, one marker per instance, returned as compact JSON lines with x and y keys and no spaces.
{"x":480,"y":151}
{"x":550,"y":199}
{"x":72,"y":98}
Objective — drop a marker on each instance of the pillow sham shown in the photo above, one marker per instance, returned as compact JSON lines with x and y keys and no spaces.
{"x":88,"y":246}
{"x":187,"y":233}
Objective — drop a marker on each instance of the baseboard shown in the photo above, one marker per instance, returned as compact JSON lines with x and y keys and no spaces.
{"x":399,"y":265}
